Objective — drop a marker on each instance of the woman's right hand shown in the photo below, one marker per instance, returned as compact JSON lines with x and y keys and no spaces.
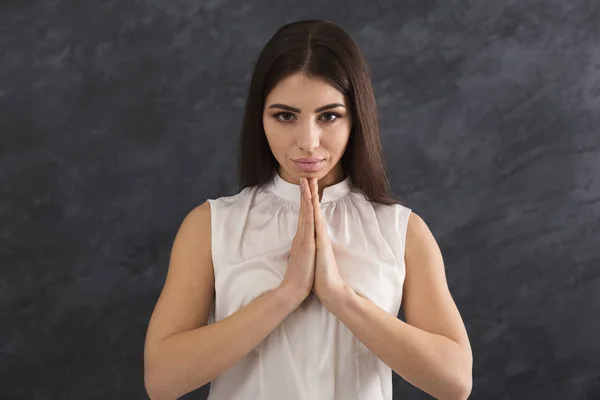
{"x":300,"y":274}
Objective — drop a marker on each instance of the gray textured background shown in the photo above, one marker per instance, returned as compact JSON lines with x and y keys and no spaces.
{"x":118,"y":117}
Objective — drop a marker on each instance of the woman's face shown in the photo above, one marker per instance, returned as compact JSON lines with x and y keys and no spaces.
{"x":305,"y":117}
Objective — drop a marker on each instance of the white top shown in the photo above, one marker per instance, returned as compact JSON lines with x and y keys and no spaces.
{"x":311,"y":355}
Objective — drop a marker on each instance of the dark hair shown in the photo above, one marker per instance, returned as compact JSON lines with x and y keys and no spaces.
{"x":320,"y":49}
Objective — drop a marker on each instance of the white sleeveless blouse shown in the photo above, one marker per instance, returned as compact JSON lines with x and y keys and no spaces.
{"x":311,"y":355}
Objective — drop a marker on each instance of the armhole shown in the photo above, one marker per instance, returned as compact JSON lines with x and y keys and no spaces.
{"x":403,"y":227}
{"x":394,"y":226}
{"x":214,"y":230}
{"x":214,"y":249}
{"x":393,"y":221}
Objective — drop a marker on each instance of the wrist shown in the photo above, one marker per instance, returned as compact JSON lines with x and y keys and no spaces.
{"x":292,"y":297}
{"x":338,"y":299}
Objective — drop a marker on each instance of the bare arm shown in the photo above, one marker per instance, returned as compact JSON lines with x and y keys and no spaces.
{"x":182,"y":352}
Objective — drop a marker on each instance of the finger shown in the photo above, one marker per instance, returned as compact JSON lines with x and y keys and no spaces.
{"x":320,"y":228}
{"x":310,"y":219}
{"x":314,"y":187}
{"x":302,"y":213}
{"x":317,"y":199}
{"x":317,"y":214}
{"x":307,"y":190}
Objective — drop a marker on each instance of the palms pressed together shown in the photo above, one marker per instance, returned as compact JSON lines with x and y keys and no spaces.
{"x":328,"y":284}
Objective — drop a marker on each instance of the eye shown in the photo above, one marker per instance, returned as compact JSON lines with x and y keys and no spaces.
{"x":330,"y":114}
{"x":284,"y":113}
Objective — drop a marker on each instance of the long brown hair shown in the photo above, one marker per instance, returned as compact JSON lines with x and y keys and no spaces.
{"x":323,"y":50}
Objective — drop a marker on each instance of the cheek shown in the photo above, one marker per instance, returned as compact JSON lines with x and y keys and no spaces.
{"x":337,"y":140}
{"x":269,"y":131}
{"x":278,"y":142}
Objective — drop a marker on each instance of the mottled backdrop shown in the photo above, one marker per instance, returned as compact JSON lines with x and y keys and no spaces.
{"x":118,"y":117}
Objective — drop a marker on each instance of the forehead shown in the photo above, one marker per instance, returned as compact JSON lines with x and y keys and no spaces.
{"x":299,"y":89}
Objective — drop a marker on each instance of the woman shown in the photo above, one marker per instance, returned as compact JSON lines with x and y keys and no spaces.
{"x":307,"y":266}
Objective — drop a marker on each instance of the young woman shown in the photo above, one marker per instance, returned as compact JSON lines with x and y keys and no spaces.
{"x":290,"y":289}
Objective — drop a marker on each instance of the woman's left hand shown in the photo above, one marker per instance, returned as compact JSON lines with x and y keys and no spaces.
{"x":328,"y":285}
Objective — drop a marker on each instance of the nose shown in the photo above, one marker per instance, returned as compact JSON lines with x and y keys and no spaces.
{"x":308,"y":137}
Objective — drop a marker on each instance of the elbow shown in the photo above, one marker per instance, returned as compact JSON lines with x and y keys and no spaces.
{"x":465,"y":379}
{"x":156,"y":391}
{"x":151,"y":383}
{"x":464,"y":390}
{"x":467,"y":385}
{"x":155,"y":384}
{"x":459,"y":392}
{"x":159,"y":386}
{"x":154,"y":376}
{"x":152,"y":387}
{"x":464,"y":386}
{"x":153,"y":395}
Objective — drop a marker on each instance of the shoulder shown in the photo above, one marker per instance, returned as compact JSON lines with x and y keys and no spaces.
{"x":395,"y":208}
{"x":201,"y":211}
{"x":392,"y":216}
{"x":197,"y":222}
{"x":204,"y":218}
{"x":416,"y":225}
{"x":228,"y":217}
{"x":420,"y":241}
{"x":242,"y":196}
{"x":391,"y":221}
{"x":389,"y":217}
{"x":229,"y":198}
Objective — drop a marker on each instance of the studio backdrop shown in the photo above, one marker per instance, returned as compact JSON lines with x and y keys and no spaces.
{"x":117,"y":118}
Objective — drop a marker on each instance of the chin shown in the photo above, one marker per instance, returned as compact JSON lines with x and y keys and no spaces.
{"x":314,"y":174}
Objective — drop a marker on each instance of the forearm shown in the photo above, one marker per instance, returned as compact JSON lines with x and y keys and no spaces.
{"x":186,"y":361}
{"x":431,"y":362}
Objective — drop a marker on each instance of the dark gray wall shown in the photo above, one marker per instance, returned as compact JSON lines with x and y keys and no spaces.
{"x":118,"y":117}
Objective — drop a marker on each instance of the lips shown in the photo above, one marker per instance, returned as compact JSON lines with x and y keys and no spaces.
{"x":308,"y":160}
{"x":310,"y":165}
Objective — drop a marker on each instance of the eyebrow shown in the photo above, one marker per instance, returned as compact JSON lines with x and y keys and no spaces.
{"x":294,"y":109}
